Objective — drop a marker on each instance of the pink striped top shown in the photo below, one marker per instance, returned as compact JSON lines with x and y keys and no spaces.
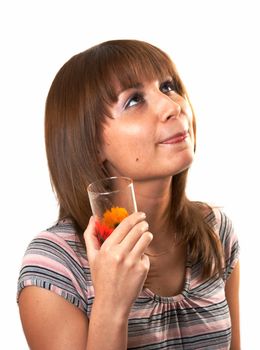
{"x":197,"y":318}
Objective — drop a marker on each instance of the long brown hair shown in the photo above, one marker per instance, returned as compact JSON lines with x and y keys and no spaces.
{"x":76,"y":108}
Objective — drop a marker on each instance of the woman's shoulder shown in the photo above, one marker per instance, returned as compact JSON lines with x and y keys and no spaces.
{"x":223,"y":226}
{"x":214,"y":215}
{"x":219,"y":220}
{"x":55,"y":259}
{"x":60,"y":240}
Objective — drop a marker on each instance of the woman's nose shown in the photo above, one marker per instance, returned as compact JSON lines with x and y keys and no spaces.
{"x":167,"y":108}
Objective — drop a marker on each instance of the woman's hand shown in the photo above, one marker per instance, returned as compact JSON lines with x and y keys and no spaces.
{"x":119,"y":267}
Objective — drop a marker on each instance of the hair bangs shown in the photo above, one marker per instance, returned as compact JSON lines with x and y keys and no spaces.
{"x":124,"y":64}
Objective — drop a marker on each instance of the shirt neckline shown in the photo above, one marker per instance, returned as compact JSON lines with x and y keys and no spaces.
{"x":174,"y":298}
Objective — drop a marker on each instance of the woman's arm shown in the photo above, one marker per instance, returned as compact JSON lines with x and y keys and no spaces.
{"x":52,"y":323}
{"x":232,"y":296}
{"x":118,"y":271}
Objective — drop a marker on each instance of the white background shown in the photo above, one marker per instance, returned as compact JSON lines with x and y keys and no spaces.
{"x":215,"y":46}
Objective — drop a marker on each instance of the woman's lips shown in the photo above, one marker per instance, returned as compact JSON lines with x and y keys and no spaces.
{"x":176,"y":138}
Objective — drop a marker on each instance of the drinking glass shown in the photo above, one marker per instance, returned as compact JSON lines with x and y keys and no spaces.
{"x":111,"y":200}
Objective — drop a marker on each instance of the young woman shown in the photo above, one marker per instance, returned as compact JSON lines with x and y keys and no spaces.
{"x":168,"y":276}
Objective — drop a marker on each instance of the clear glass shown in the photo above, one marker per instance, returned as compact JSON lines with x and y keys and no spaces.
{"x":111,"y":199}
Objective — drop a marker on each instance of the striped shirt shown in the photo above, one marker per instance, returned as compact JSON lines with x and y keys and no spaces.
{"x":197,"y":318}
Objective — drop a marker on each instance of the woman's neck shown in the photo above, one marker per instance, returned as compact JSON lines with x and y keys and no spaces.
{"x":153,"y":198}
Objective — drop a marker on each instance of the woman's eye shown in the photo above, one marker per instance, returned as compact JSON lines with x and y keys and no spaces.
{"x":134,"y":100}
{"x":168,"y":86}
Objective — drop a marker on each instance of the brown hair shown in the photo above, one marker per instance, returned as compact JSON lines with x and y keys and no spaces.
{"x":76,"y":108}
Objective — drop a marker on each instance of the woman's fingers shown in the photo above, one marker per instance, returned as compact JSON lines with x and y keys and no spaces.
{"x":134,"y":235}
{"x":141,"y":245}
{"x":124,"y":228}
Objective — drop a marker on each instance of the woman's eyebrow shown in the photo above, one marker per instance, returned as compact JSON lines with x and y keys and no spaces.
{"x":133,"y":86}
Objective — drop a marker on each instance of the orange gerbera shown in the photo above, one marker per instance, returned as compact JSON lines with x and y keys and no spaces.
{"x":111,"y":219}
{"x":114,"y":216}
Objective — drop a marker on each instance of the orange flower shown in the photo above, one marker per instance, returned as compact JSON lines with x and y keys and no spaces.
{"x":114,"y":216}
{"x":111,"y":219}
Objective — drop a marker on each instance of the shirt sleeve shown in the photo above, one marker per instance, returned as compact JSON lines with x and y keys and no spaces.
{"x":51,"y":263}
{"x":229,"y":242}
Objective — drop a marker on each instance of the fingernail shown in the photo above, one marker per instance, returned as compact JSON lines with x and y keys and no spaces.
{"x":145,"y":227}
{"x":143,"y":215}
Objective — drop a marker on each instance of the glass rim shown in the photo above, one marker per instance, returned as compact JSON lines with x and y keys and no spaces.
{"x":106,"y":179}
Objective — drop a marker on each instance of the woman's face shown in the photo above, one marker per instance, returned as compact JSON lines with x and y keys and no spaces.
{"x":150,"y":134}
